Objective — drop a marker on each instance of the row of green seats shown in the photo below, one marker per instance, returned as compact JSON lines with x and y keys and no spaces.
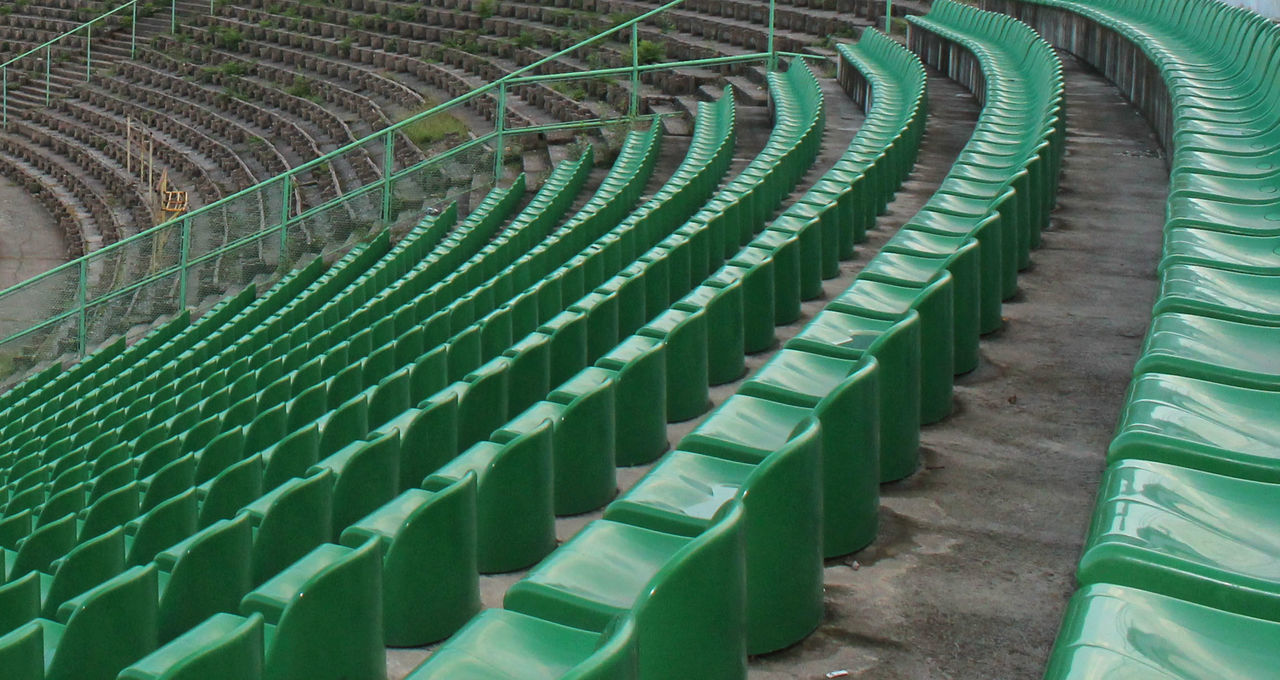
{"x":655,"y":589}
{"x":99,"y":559}
{"x":297,"y":625}
{"x":365,"y":453}
{"x":1177,"y":577}
{"x":173,"y":518}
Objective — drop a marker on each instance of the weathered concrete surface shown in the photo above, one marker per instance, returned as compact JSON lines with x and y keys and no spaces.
{"x":977,"y":551}
{"x":30,"y":243}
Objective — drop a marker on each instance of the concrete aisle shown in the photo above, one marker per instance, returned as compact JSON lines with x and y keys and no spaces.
{"x":977,"y":551}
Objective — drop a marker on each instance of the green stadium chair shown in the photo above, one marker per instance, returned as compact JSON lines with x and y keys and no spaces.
{"x":89,"y":564}
{"x":684,"y":594}
{"x":164,"y":525}
{"x":237,"y":486}
{"x":222,"y":646}
{"x":504,"y":645}
{"x":309,"y":607}
{"x":429,"y":575}
{"x":289,"y":521}
{"x":582,"y":414}
{"x":895,"y":346}
{"x":365,"y":475}
{"x":207,"y":573}
{"x":515,"y":499}
{"x":88,"y":642}
{"x":1112,"y":632}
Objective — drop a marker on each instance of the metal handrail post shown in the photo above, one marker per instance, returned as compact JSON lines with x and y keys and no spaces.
{"x":183,"y":259}
{"x":500,"y":127}
{"x":285,"y":209}
{"x":82,"y":294}
{"x":388,"y":169}
{"x":173,"y":17}
{"x":773,"y":55}
{"x":133,"y":33}
{"x":4,"y":96}
{"x":635,"y":71}
{"x":888,"y":17}
{"x":48,"y":59}
{"x":88,"y":51}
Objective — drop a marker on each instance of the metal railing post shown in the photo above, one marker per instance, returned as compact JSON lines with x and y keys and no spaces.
{"x":82,"y":332}
{"x":888,"y":17}
{"x":184,"y":258}
{"x":173,"y":17}
{"x":773,"y":54}
{"x":284,"y":213}
{"x":500,"y":127}
{"x":48,"y":59}
{"x":4,"y":96}
{"x":133,"y":33}
{"x":88,"y":51}
{"x":388,"y":168}
{"x":635,"y":71}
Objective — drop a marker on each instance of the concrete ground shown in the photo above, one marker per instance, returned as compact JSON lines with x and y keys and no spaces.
{"x":977,"y":551}
{"x":30,"y":243}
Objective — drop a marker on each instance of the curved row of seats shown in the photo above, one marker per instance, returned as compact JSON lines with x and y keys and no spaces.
{"x":655,"y":589}
{"x":330,"y":462}
{"x":1178,"y":572}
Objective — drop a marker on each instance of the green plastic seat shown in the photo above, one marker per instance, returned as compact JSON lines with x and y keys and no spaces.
{"x":38,"y":551}
{"x":309,"y":609}
{"x":504,"y":645}
{"x":1218,"y":293}
{"x":207,"y":573}
{"x":88,"y":641}
{"x":89,"y":564}
{"x":895,"y":345}
{"x":845,"y":397}
{"x":515,"y":497}
{"x":640,"y":371}
{"x":237,"y":486}
{"x":222,"y":646}
{"x":1211,"y":349}
{"x":22,"y":652}
{"x":685,"y":336}
{"x":291,"y":456}
{"x":289,"y":521}
{"x":1111,"y":632}
{"x":20,"y":602}
{"x":430,"y":581}
{"x":781,"y":525}
{"x":113,"y":509}
{"x":1189,"y":534}
{"x":934,"y":306}
{"x":1199,"y":424}
{"x":365,"y":475}
{"x":684,"y":594}
{"x":582,"y":413}
{"x":161,"y":527}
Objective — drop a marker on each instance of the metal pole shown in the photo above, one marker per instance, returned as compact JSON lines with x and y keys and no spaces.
{"x":388,"y":168}
{"x":173,"y":17}
{"x":186,"y":253}
{"x":284,"y":214}
{"x":500,"y":127}
{"x":81,"y":295}
{"x":88,"y":49}
{"x":4,"y":96}
{"x":48,"y":57}
{"x":133,"y":32}
{"x":888,"y":17}
{"x":773,"y":55}
{"x":635,"y":71}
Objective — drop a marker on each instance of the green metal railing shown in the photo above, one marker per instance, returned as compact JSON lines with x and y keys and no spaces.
{"x":166,"y":268}
{"x":44,"y":53}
